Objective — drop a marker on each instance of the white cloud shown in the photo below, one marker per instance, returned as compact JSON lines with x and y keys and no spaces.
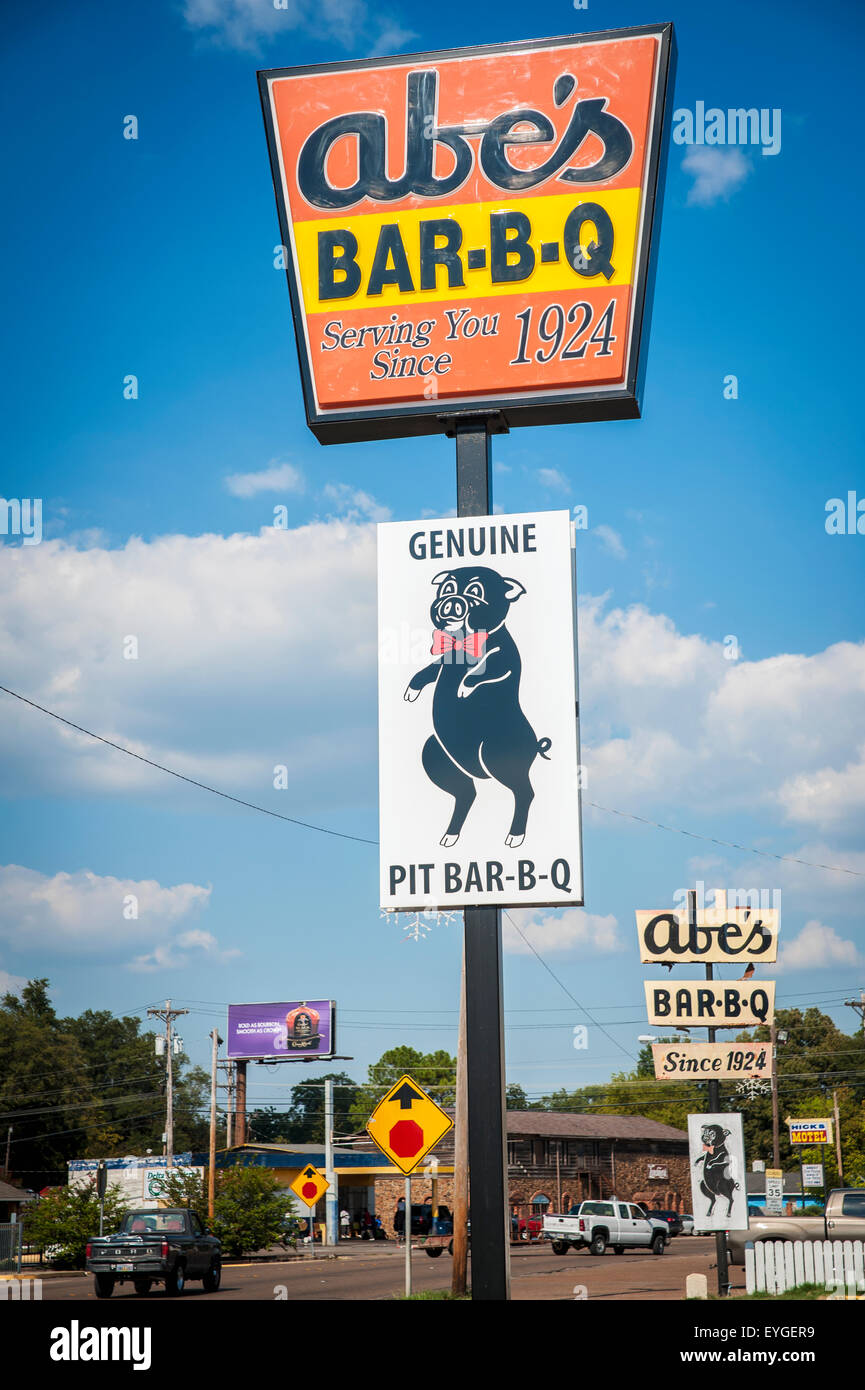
{"x":571,"y":929}
{"x":247,"y":25}
{"x":610,"y":540}
{"x":175,"y":955}
{"x":83,"y":913}
{"x":355,"y":505}
{"x":827,"y":797}
{"x":665,"y":714}
{"x":11,"y":984}
{"x":254,"y":651}
{"x":553,"y":479}
{"x":817,"y":947}
{"x":717,"y":173}
{"x":259,"y":651}
{"x":278,"y":477}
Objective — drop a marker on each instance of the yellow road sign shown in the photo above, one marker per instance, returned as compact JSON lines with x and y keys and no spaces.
{"x":309,"y":1185}
{"x":406,"y":1124}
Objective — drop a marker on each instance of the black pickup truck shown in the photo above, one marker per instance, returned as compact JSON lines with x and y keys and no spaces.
{"x":167,"y":1246}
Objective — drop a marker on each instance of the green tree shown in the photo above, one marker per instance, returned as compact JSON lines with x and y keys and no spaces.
{"x":305,"y":1119}
{"x":250,"y":1210}
{"x":436,"y":1072}
{"x":187,"y":1187}
{"x":515,"y":1097}
{"x":45,"y":1086}
{"x":267,"y":1125}
{"x":89,"y":1086}
{"x":816,"y":1059}
{"x":63,"y":1221}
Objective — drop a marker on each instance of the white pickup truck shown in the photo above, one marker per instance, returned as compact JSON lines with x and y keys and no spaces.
{"x":599,"y":1224}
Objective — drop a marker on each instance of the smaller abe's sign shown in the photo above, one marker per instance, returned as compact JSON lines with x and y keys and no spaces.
{"x":406,"y":1124}
{"x":310,"y":1185}
{"x":715,"y":1004}
{"x":479,"y":778}
{"x":711,"y":1059}
{"x":711,"y":934}
{"x":810,"y":1131}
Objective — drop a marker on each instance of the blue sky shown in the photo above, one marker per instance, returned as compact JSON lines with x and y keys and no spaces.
{"x":706,"y":521}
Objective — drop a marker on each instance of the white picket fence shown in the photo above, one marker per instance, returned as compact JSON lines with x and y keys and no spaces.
{"x":775,"y":1266}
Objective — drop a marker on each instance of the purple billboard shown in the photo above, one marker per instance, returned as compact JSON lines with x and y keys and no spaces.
{"x":299,"y":1030}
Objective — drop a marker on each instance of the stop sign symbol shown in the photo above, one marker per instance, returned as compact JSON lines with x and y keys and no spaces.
{"x":309,"y":1189}
{"x":406,"y":1138}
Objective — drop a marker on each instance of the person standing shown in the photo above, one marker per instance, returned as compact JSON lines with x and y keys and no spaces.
{"x":399,"y":1218}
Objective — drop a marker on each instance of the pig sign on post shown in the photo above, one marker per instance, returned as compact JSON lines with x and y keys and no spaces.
{"x":478,"y":743}
{"x":716,"y":1148}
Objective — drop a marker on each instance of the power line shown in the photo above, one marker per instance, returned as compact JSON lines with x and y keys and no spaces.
{"x":580,"y":1006}
{"x":306,"y":825}
{"x":361,"y":839}
{"x":727,"y":844}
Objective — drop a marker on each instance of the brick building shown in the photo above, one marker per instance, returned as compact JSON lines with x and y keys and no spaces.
{"x":556,"y":1159}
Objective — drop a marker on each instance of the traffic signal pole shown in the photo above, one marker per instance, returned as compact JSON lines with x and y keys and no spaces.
{"x":490,"y":1251}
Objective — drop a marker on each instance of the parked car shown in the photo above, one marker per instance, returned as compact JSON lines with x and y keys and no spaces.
{"x":596,"y":1225}
{"x":530,"y":1227}
{"x":843,"y":1219}
{"x":672,"y":1218}
{"x":687,"y":1224}
{"x":168,"y":1246}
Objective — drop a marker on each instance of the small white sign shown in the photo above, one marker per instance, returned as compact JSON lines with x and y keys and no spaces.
{"x":479,"y":785}
{"x":774,"y":1191}
{"x":812,"y":1175}
{"x":716,"y":1148}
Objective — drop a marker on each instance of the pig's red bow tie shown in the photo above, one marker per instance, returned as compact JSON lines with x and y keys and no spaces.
{"x":473,"y":645}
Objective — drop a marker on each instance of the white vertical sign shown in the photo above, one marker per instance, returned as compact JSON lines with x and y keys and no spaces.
{"x":478,"y":746}
{"x":716,"y":1148}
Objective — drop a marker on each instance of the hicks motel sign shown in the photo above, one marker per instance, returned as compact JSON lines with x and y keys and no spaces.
{"x":469,"y":243}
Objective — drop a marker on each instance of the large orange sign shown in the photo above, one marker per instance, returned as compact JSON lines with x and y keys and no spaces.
{"x":470,"y":231}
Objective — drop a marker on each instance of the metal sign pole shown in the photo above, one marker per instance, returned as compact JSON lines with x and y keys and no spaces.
{"x":490,"y":1272}
{"x":714,"y":1108}
{"x":406,"y":1231}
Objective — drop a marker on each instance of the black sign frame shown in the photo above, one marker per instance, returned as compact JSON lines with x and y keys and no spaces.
{"x":431,"y":416}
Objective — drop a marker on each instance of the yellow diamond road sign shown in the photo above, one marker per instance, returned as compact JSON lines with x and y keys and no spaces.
{"x":309,"y":1185}
{"x":406,"y":1124}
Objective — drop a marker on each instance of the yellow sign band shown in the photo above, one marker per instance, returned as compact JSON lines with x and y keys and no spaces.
{"x":358,"y":253}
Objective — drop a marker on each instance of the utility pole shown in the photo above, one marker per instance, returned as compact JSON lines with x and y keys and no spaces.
{"x":859,"y":1006}
{"x":461,"y":1151}
{"x":240,"y":1103}
{"x":8,"y":1142}
{"x":331,"y":1197}
{"x":228,"y":1068}
{"x":168,"y":1014}
{"x":211,"y":1167}
{"x":714,"y":1102}
{"x":776,"y":1140}
{"x":838,"y":1156}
